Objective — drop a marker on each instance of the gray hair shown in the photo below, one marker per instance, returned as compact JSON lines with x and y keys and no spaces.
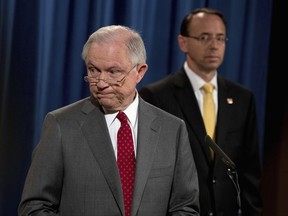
{"x":117,"y":33}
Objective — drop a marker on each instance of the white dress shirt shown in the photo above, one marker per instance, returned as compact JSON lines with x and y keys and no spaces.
{"x":197,"y":83}
{"x":114,"y":124}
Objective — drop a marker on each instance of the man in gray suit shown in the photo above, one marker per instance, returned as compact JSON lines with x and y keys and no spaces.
{"x":74,"y":167}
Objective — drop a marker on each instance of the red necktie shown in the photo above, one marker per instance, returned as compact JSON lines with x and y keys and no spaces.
{"x":126,"y":161}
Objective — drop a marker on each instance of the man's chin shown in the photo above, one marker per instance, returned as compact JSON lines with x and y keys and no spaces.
{"x":105,"y":102}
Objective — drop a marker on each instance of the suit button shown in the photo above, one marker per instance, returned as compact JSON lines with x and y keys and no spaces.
{"x":214,"y":181}
{"x":210,"y":213}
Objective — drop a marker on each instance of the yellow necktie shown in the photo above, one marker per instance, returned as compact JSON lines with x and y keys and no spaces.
{"x":209,"y":115}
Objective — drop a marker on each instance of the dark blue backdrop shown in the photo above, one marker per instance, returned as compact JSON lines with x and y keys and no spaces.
{"x":41,"y":67}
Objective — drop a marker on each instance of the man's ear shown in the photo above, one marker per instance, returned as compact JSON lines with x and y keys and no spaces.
{"x":182,"y":43}
{"x":141,"y":69}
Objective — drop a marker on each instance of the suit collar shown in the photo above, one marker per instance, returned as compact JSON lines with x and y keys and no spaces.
{"x":96,"y":133}
{"x":97,"y":136}
{"x":148,"y":130}
{"x":185,"y":96}
{"x":224,"y":110}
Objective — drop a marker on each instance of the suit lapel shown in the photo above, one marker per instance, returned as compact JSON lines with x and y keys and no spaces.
{"x":146,"y":146}
{"x":225,"y":101}
{"x":97,"y":135}
{"x":185,"y":96}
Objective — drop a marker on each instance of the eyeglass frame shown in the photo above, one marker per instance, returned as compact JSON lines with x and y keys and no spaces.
{"x":116,"y":82}
{"x":202,"y":40}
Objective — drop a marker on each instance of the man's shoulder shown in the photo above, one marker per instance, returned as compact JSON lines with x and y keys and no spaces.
{"x":165,"y":81}
{"x":168,"y":83}
{"x":149,"y":109}
{"x":233,"y":85}
{"x":74,"y":107}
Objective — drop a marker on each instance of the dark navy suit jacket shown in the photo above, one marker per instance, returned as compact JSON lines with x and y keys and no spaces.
{"x":236,"y":134}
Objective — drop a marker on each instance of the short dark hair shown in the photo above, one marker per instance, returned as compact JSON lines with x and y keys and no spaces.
{"x":184,"y":30}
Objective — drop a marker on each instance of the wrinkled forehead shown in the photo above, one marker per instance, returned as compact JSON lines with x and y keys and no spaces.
{"x":112,"y":53}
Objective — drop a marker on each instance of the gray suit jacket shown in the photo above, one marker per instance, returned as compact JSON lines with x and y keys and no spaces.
{"x":74,"y":170}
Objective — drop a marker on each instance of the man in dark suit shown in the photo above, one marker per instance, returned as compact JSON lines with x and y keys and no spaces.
{"x":202,"y":39}
{"x":75,"y":169}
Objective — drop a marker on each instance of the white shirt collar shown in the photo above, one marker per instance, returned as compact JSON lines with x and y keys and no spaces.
{"x":130,"y":111}
{"x":196,"y":81}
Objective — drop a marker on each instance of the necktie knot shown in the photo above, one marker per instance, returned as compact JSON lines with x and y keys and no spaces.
{"x":208,"y":88}
{"x":122,"y":117}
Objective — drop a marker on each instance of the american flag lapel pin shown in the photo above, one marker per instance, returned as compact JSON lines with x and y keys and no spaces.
{"x":230,"y":100}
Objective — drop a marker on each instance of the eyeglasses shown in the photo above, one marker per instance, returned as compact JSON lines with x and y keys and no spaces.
{"x":207,"y":38}
{"x":113,"y":77}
